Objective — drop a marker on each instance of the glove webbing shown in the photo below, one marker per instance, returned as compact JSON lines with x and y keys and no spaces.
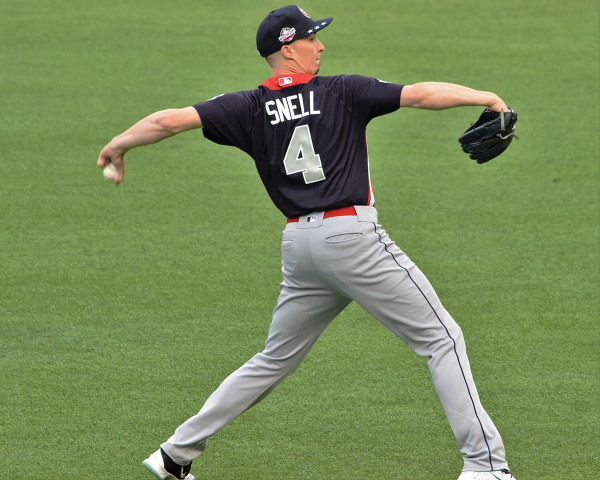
{"x":502,"y":127}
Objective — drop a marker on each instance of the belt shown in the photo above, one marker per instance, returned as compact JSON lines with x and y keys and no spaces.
{"x":338,"y":212}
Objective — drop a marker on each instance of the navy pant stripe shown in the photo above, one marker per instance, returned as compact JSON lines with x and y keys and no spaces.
{"x":450,"y":336}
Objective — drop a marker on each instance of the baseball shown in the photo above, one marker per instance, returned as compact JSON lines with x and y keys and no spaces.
{"x":110,"y":172}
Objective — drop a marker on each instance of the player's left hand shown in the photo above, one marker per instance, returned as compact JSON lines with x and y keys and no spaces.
{"x":110,"y":154}
{"x":490,"y":135}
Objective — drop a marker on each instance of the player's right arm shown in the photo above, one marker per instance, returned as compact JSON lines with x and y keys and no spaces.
{"x":149,"y":130}
{"x":439,"y":96}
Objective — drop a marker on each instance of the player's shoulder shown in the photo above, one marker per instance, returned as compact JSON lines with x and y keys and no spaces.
{"x":241,"y":100}
{"x":246,"y":95}
{"x":341,"y":83}
{"x":333,"y":80}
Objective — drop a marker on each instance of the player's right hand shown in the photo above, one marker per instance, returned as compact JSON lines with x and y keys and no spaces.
{"x":110,"y":154}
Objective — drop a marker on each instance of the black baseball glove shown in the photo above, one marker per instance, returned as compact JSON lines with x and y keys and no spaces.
{"x":490,"y":135}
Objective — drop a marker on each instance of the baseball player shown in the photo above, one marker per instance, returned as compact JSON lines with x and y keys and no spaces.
{"x":307,"y":136}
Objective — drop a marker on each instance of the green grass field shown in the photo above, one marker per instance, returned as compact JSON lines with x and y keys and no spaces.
{"x":122,"y":309}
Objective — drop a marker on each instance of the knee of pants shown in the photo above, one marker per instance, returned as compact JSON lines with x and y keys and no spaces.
{"x":451,"y":339}
{"x":286,"y":364}
{"x":287,"y":351}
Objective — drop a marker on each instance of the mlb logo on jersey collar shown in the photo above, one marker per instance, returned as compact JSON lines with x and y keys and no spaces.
{"x":280,"y":82}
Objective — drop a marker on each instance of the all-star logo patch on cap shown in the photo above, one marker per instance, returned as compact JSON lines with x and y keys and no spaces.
{"x":283,"y":26}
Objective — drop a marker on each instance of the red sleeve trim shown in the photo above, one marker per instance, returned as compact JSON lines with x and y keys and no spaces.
{"x":283,"y":81}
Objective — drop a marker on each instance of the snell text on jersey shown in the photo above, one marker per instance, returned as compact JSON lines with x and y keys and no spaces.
{"x":291,"y":108}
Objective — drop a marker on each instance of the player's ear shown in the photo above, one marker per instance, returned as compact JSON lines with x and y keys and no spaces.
{"x":287,"y":52}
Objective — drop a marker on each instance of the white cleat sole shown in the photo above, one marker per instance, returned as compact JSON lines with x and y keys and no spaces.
{"x":495,"y":475}
{"x":154,"y":465}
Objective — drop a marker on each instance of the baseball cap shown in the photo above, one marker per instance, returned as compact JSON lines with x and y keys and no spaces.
{"x":283,"y":26}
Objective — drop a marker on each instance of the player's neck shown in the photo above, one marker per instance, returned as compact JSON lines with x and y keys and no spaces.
{"x":289,"y":68}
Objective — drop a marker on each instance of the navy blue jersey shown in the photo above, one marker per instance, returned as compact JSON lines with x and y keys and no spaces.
{"x":307,"y":136}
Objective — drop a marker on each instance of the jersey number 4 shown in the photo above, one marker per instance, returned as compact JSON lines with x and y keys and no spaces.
{"x":301,"y":156}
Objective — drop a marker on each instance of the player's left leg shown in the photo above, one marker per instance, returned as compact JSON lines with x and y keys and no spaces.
{"x":364,"y":264}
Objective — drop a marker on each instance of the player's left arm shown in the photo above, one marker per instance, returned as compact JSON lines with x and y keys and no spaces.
{"x":440,"y":96}
{"x":152,"y":129}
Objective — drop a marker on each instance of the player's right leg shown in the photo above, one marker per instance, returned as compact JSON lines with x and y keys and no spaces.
{"x":305,"y":307}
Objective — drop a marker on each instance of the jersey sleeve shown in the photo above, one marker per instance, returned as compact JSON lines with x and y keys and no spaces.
{"x":227,"y":119}
{"x":369,"y":97}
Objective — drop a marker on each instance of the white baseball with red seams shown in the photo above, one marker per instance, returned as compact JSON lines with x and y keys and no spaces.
{"x":110,"y":173}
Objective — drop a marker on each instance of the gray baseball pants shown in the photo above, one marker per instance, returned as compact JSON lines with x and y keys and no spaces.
{"x":327,"y":263}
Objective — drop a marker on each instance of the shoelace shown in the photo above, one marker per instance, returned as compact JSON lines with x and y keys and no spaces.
{"x":507,"y":472}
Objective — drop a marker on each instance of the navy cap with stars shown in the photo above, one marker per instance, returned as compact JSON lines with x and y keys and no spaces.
{"x":283,"y":26}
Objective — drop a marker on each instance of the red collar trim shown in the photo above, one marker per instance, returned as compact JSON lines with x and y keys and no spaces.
{"x":283,"y":81}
